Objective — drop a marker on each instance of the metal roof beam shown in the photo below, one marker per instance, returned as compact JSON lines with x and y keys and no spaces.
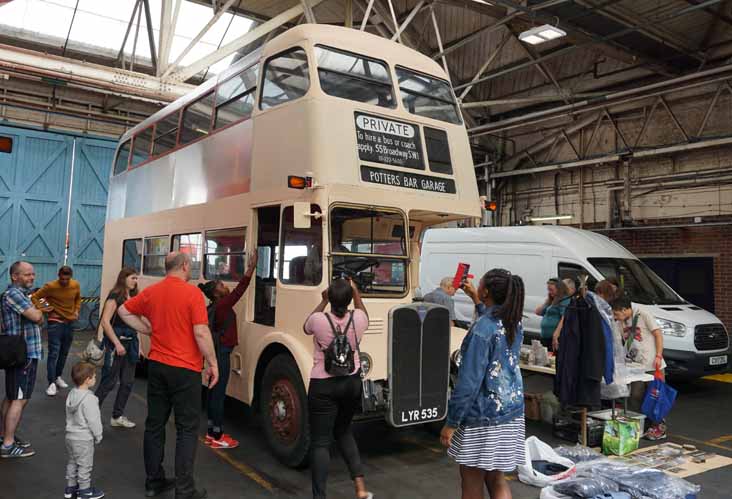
{"x":90,"y":75}
{"x":244,"y":40}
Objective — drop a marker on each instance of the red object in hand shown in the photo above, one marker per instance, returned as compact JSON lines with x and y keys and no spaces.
{"x":461,"y":274}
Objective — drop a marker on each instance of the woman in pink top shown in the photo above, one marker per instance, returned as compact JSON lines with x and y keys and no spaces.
{"x":333,"y":400}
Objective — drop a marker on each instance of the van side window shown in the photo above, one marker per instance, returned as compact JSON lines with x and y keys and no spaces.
{"x":573,"y":271}
{"x":132,"y":254}
{"x":156,"y":248}
{"x":302,"y":250}
{"x":286,"y":78}
{"x":196,"y":119}
{"x":123,"y":154}
{"x":166,"y":133}
{"x":190,"y":244}
{"x":141,"y":146}
{"x":235,"y":98}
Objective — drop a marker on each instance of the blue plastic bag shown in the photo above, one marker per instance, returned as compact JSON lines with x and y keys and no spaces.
{"x":659,"y":399}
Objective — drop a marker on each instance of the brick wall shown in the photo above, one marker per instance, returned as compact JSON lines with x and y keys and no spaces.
{"x":713,"y":241}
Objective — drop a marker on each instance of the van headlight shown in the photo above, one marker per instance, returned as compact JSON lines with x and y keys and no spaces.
{"x":670,"y":328}
{"x":366,"y":363}
{"x":456,"y":358}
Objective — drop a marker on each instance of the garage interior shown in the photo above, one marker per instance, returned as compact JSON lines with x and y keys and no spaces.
{"x":621,"y":125}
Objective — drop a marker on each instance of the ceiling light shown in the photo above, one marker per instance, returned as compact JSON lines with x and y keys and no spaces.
{"x":541,"y":34}
{"x":549,"y":219}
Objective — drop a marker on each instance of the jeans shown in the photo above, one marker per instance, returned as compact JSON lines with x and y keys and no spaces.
{"x":122,"y":368}
{"x":60,"y":337}
{"x":177,"y":389}
{"x":217,"y":395}
{"x":332,"y":403}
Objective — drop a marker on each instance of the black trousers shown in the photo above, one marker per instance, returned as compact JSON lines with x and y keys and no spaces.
{"x":117,"y":368}
{"x":177,"y":389}
{"x":332,"y":403}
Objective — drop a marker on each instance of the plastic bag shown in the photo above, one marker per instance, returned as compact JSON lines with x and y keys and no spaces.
{"x":659,"y":399}
{"x":643,"y":482}
{"x":586,"y":487}
{"x":577,"y":453}
{"x":549,"y":493}
{"x":536,"y":450}
{"x":622,"y":436}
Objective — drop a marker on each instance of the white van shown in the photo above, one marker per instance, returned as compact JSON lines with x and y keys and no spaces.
{"x":696,"y":342}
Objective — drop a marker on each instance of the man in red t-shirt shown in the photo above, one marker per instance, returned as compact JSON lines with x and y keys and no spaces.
{"x":174,"y":314}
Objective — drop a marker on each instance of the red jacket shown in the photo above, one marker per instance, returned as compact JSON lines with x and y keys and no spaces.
{"x":225,"y":313}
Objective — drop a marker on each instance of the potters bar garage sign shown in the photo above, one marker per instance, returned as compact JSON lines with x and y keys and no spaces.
{"x":389,"y":142}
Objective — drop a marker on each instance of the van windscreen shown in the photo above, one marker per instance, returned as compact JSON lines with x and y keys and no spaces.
{"x":639,"y":282}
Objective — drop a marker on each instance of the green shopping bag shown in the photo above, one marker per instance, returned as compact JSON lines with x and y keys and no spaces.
{"x":622,"y":436}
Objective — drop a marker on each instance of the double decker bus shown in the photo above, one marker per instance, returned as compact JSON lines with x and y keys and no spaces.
{"x":329,"y":151}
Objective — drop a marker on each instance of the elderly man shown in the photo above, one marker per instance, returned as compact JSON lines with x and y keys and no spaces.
{"x":444,"y":296}
{"x":180,"y":338}
{"x":19,"y":317}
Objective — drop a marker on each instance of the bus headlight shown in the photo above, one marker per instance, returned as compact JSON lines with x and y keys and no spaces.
{"x":670,"y":328}
{"x":456,"y":358}
{"x":366,"y":363}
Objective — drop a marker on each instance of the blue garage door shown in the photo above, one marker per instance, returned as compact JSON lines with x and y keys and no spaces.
{"x":35,"y":190}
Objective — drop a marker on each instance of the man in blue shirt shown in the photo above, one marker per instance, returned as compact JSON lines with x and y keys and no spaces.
{"x":19,"y":317}
{"x":444,"y":296}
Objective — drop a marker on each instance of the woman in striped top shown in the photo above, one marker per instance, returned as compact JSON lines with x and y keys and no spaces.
{"x":485,"y":420}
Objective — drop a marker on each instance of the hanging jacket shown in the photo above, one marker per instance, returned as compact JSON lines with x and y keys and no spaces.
{"x":606,"y":313}
{"x":582,"y":353}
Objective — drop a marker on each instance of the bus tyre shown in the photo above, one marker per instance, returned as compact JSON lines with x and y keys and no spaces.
{"x":283,"y":409}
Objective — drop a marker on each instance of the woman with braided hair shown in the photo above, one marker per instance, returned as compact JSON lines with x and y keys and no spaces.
{"x":485,"y":430}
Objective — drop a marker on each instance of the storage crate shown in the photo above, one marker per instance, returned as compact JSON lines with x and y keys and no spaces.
{"x":569,"y":428}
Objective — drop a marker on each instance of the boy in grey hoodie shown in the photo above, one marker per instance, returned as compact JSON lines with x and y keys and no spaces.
{"x":83,"y":430}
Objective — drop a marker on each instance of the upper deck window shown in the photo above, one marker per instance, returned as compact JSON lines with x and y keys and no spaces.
{"x":235,"y":97}
{"x":141,"y":146}
{"x":123,"y":155}
{"x":166,"y":133}
{"x":354,"y":77}
{"x":197,"y":119}
{"x":427,"y":96}
{"x":438,"y":150}
{"x":286,"y":78}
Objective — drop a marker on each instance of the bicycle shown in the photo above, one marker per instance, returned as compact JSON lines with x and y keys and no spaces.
{"x":90,"y":320}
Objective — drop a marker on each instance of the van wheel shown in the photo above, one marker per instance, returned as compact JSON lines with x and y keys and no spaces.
{"x":283,"y":409}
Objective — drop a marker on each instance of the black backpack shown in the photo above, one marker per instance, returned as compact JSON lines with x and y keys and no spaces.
{"x":13,"y":349}
{"x":339,"y":356}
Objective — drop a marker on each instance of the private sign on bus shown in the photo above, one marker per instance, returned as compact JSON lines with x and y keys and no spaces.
{"x":211,"y":175}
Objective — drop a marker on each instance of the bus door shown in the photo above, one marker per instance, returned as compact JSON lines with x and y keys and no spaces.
{"x":265,"y":292}
{"x":301,"y":269}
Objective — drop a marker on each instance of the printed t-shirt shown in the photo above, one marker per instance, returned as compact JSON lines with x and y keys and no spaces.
{"x":643,"y":347}
{"x":173,"y":307}
{"x":318,"y":326}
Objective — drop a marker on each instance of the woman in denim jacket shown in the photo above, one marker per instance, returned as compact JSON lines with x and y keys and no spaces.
{"x":485,"y":419}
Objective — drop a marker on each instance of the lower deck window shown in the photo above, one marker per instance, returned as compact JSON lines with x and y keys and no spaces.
{"x":156,"y":249}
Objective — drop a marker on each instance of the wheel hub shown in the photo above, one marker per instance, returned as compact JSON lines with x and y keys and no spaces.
{"x":284,"y":411}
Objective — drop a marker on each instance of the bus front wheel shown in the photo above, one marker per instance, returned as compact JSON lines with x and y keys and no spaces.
{"x":284,"y":413}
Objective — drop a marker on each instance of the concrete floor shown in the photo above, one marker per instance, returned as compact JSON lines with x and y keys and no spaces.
{"x":399,"y":464}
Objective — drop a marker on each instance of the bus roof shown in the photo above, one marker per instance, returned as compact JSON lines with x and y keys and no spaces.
{"x":334,"y":36}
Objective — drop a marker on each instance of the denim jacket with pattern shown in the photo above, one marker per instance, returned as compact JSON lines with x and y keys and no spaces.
{"x":489,"y":389}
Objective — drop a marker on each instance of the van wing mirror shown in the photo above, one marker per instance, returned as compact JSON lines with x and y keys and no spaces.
{"x":301,"y":215}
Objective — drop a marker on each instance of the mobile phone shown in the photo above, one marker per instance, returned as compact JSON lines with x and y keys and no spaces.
{"x":462,"y":273}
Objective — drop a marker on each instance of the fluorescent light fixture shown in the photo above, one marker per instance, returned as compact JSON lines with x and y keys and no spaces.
{"x":541,"y":34}
{"x":549,"y":219}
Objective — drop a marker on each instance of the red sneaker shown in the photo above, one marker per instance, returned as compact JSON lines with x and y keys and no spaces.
{"x":225,"y":442}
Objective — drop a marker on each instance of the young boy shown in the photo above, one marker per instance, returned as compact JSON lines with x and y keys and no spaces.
{"x":644,"y":345}
{"x":83,"y":430}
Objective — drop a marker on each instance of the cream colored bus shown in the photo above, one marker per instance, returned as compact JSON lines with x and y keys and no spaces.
{"x":329,"y":151}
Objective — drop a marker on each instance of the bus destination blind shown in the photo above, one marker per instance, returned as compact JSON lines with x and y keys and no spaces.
{"x":388,"y":141}
{"x":407,"y":180}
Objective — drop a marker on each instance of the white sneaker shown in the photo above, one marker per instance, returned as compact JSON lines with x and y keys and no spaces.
{"x":51,"y":391}
{"x":122,"y":422}
{"x":61,"y":383}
